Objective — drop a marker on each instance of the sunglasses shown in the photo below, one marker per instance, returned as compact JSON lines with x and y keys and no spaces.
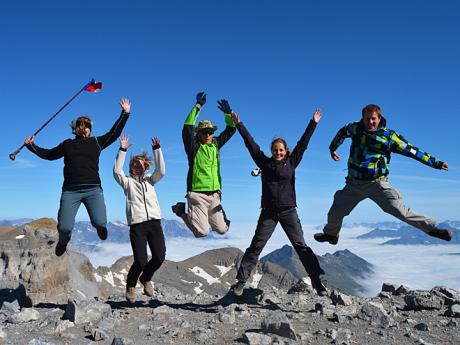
{"x":207,"y":132}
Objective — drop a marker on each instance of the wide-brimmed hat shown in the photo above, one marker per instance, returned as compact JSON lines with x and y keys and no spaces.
{"x":206,"y":125}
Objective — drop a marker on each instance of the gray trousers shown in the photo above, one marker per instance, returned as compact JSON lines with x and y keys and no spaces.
{"x":380,"y":192}
{"x":205,"y":210}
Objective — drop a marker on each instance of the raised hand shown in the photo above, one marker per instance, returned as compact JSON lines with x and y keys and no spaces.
{"x":224,"y":106}
{"x":29,"y":140}
{"x":234,"y":116}
{"x":445,"y":166}
{"x":317,"y":115}
{"x":125,"y":105}
{"x":335,"y":156}
{"x":124,"y":142}
{"x":155,"y":143}
{"x":201,"y":98}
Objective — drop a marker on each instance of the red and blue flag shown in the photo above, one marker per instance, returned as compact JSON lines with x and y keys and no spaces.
{"x":93,"y":86}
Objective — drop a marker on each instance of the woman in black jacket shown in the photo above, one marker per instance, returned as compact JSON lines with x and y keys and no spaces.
{"x":278,"y":203}
{"x":82,"y":183}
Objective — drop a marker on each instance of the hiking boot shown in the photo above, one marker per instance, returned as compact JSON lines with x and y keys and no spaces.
{"x":318,"y":285}
{"x":322,"y":237}
{"x":102,"y":233}
{"x":178,"y":209}
{"x":237,"y":288}
{"x":60,"y":249}
{"x":131,"y":294}
{"x":149,"y":290}
{"x":443,"y":234}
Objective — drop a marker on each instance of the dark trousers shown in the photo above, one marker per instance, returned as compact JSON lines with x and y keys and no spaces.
{"x":151,"y":233}
{"x":290,"y":222}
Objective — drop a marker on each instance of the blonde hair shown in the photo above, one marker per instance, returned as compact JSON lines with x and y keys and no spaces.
{"x":148,"y":161}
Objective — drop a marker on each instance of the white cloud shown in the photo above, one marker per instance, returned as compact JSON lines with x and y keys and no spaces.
{"x":419,"y":267}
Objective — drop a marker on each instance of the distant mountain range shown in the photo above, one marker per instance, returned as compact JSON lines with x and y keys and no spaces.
{"x":403,"y":234}
{"x":212,"y":272}
{"x":343,"y":268}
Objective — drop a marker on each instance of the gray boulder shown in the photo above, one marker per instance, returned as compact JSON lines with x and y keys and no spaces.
{"x":376,"y":315}
{"x":391,"y":288}
{"x":86,"y":311}
{"x":420,"y":300}
{"x":453,"y":310}
{"x":253,"y":338}
{"x":340,"y":298}
{"x":278,"y":323}
{"x":25,"y":315}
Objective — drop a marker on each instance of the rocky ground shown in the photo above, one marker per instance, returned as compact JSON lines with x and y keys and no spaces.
{"x":298,"y":316}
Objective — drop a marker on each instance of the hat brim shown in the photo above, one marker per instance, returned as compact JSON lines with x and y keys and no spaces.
{"x":213,"y":129}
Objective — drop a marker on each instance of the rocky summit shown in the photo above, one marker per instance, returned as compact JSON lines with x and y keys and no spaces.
{"x":47,"y":300}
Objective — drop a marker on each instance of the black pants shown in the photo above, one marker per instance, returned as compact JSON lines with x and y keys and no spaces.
{"x":290,"y":222}
{"x":141,"y":234}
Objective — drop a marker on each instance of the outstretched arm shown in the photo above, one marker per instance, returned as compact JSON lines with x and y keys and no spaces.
{"x":159,"y":171}
{"x":230,"y":127}
{"x":400,"y":145}
{"x":254,"y":150}
{"x":188,"y":131}
{"x":118,"y":173}
{"x":108,"y":138}
{"x":342,"y":134}
{"x":299,"y":149}
{"x":48,"y":154}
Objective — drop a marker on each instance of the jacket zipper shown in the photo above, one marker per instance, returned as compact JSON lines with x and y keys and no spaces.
{"x":143,"y":196}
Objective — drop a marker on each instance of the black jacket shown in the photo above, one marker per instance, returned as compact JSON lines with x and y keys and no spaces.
{"x":81,"y":155}
{"x":278,"y":177}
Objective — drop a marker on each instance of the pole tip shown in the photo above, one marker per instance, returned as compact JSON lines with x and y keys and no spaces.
{"x":12,"y":156}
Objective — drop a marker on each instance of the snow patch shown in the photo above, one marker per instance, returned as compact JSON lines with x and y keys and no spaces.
{"x":224,"y":269}
{"x":205,"y":275}
{"x":120,"y":276}
{"x":109,"y":278}
{"x":256,"y":277}
{"x":18,"y":237}
{"x":97,"y":277}
{"x":198,"y":289}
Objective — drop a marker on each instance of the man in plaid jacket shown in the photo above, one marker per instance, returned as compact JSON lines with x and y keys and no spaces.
{"x":368,"y":169}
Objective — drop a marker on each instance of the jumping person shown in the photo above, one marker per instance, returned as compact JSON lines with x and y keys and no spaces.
{"x":368,"y":169}
{"x":278,"y":203}
{"x":143,"y":214}
{"x":203,"y":178}
{"x":82,"y":183}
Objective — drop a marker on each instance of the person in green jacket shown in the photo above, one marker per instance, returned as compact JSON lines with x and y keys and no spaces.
{"x":204,"y":182}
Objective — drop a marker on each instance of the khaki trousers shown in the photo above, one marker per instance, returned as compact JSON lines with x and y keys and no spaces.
{"x":379,"y":191}
{"x":205,"y":210}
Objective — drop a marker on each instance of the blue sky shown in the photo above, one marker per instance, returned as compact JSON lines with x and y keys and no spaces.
{"x":274,"y":61}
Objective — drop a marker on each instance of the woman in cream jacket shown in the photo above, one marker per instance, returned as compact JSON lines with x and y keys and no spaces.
{"x":142,"y":213}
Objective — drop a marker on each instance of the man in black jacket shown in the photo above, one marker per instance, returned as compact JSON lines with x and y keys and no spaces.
{"x":81,"y":174}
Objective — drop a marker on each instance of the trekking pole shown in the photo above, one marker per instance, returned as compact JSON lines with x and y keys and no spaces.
{"x":92,"y":86}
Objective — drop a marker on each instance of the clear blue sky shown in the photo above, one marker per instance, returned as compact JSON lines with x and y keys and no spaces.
{"x":275,"y":61}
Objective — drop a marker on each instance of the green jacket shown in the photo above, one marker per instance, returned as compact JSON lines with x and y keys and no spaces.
{"x":203,"y":160}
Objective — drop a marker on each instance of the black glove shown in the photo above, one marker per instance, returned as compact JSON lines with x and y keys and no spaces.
{"x":224,"y":106}
{"x":201,"y":98}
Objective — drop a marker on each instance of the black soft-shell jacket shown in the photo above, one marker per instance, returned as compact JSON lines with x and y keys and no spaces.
{"x":278,"y":177}
{"x":81,"y":155}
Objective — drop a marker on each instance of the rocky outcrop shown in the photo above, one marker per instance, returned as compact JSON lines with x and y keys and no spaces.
{"x":30,"y":271}
{"x":295,"y":318}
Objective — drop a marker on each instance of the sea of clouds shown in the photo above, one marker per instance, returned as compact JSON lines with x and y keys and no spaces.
{"x":417,"y":266}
